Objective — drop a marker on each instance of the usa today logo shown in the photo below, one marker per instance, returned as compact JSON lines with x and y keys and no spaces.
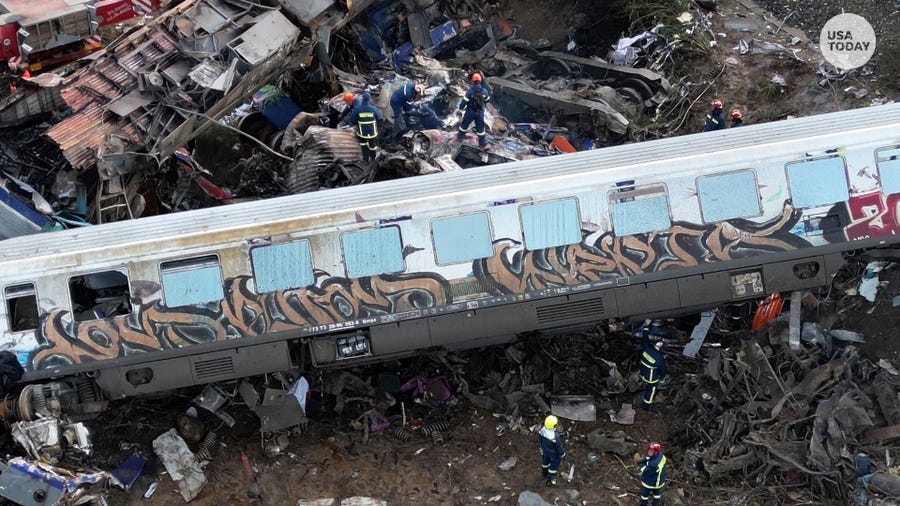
{"x":847,"y":41}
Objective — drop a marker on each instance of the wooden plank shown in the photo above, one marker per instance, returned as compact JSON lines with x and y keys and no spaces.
{"x":881,"y":434}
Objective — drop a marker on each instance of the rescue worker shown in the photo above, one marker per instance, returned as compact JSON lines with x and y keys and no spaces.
{"x":736,"y":120}
{"x":715,"y":120}
{"x":653,"y":474}
{"x":428,"y":119}
{"x":402,"y":103}
{"x":653,"y":365}
{"x":473,"y":104}
{"x":552,"y":450}
{"x":366,"y":117}
{"x":351,"y":102}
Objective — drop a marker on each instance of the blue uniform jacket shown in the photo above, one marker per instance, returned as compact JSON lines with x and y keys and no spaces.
{"x":349,"y":109}
{"x":550,"y":446}
{"x":653,"y":471}
{"x":366,"y":116}
{"x":653,"y":364}
{"x":714,"y":121}
{"x":402,"y":98}
{"x":473,"y":101}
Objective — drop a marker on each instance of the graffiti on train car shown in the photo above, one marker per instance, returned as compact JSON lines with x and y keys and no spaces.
{"x":243,"y":313}
{"x":514,"y":270}
{"x":342,"y":302}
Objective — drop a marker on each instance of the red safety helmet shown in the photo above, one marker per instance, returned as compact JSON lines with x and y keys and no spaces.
{"x":654,"y":447}
{"x":717,"y":103}
{"x":348,"y":97}
{"x":736,"y":113}
{"x":476,"y":77}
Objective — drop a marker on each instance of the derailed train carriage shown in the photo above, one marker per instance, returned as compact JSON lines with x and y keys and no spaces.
{"x":460,"y":259}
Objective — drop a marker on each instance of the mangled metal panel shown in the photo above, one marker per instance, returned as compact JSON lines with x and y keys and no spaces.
{"x":270,"y":32}
{"x":29,"y":103}
{"x":645,"y":80}
{"x":17,"y":217}
{"x":333,"y":14}
{"x":562,"y":102}
{"x":141,"y":61}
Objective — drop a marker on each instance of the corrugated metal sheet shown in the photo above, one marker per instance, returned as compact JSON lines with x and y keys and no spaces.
{"x":90,"y":91}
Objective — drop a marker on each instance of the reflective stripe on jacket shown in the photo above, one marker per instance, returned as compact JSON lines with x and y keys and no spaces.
{"x":653,"y":471}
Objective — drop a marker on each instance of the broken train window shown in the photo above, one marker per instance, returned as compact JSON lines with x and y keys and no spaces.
{"x":99,"y":295}
{"x":21,"y":307}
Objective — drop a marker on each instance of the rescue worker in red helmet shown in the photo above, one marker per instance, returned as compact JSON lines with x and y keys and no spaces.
{"x":715,"y":120}
{"x":736,"y":116}
{"x":653,"y":474}
{"x":351,"y":102}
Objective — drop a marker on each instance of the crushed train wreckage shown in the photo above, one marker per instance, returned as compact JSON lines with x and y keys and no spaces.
{"x":256,"y":77}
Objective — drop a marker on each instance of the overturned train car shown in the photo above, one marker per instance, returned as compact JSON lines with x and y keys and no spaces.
{"x":459,"y":259}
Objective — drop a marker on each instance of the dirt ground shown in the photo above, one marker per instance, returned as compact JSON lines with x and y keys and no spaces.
{"x":332,"y":460}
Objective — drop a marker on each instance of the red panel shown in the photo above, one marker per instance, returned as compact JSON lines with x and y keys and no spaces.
{"x":10,"y":49}
{"x":114,"y":11}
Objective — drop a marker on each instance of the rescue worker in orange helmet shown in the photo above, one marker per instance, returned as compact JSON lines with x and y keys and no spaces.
{"x":552,"y":450}
{"x":715,"y":120}
{"x":473,"y":104}
{"x":351,"y":102}
{"x":736,"y":120}
{"x":366,"y":117}
{"x":653,"y":474}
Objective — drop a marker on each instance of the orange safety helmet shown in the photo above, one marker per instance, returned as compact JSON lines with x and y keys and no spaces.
{"x":654,"y":447}
{"x":476,"y":77}
{"x":717,"y":103}
{"x":736,"y":113}
{"x":348,"y":97}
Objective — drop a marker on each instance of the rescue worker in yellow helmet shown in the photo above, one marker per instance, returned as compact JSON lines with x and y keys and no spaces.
{"x":552,"y":450}
{"x":366,"y":117}
{"x":653,"y":474}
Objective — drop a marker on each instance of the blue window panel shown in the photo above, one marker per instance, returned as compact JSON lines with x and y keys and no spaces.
{"x":641,"y":215}
{"x":727,"y":196}
{"x":889,"y":172}
{"x":282,"y":266}
{"x":817,"y":182}
{"x":191,"y":286}
{"x":551,"y":224}
{"x":462,"y":238}
{"x":372,"y":252}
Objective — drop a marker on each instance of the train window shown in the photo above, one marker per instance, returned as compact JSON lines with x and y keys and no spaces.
{"x":372,"y":252}
{"x":727,"y":196}
{"x":282,"y":266}
{"x":21,"y":307}
{"x":192,"y":281}
{"x":462,"y":238}
{"x":817,"y":182}
{"x":889,"y":170}
{"x":550,"y":224}
{"x":641,"y":210}
{"x":99,"y":295}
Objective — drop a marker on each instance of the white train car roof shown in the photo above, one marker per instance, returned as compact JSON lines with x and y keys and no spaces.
{"x":650,"y":160}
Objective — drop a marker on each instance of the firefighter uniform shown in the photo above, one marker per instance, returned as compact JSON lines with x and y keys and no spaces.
{"x":366,"y":117}
{"x":473,"y":104}
{"x":715,"y":120}
{"x":653,"y":475}
{"x":552,"y":450}
{"x":653,"y":366}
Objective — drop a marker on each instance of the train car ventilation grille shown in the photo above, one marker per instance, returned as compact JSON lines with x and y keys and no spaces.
{"x":211,"y":370}
{"x":584,"y":309}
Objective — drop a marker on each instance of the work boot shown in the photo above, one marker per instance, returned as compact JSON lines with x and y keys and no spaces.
{"x":551,"y":482}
